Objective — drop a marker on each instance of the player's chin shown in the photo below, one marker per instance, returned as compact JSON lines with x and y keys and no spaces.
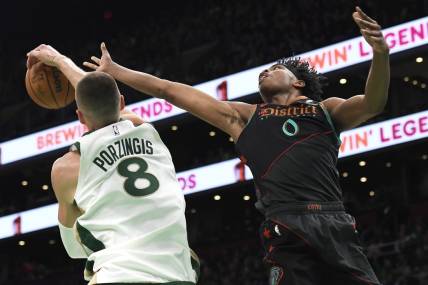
{"x":263,"y":84}
{"x":267,"y":87}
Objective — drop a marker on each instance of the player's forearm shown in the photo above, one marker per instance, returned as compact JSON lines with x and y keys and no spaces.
{"x":70,"y":70}
{"x":143,"y":82}
{"x":376,"y":91}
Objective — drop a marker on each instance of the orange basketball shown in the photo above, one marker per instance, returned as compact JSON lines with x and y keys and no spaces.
{"x":48,"y":87}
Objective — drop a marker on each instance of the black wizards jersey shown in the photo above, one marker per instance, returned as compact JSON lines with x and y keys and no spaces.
{"x":292,"y":152}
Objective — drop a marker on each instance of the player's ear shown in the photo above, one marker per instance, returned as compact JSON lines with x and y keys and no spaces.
{"x":122,"y":102}
{"x":298,"y":84}
{"x":80,"y":116}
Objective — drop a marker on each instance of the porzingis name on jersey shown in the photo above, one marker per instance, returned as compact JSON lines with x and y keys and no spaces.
{"x":121,"y":148}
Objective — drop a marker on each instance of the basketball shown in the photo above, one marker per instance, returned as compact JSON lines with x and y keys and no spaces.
{"x":48,"y":87}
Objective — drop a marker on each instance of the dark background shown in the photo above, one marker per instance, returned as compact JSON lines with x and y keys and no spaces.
{"x":192,"y":42}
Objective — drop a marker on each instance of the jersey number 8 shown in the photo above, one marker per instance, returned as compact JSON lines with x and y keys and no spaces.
{"x":133,"y":175}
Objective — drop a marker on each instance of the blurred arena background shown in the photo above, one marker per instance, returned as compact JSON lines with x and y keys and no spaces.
{"x":384,"y":165}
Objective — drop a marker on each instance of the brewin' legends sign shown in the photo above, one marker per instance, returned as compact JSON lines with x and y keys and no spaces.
{"x":370,"y":137}
{"x":383,"y":134}
{"x":340,"y":55}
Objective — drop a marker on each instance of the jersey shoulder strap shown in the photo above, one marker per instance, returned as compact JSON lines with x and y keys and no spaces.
{"x":330,"y":121}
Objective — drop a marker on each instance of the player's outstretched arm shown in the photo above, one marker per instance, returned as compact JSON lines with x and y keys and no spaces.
{"x":351,"y":112}
{"x":50,"y":56}
{"x":227,"y":116}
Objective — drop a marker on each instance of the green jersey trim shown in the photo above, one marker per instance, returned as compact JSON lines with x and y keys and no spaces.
{"x":88,"y":239}
{"x":330,"y":122}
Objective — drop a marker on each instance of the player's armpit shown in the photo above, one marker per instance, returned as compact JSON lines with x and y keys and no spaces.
{"x":349,"y":113}
{"x":64,"y":175}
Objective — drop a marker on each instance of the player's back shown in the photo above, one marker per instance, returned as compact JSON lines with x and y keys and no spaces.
{"x":133,"y":224}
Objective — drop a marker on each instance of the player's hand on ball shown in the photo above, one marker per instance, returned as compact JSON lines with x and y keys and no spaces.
{"x":371,"y":31}
{"x":46,"y":54}
{"x":101,"y":64}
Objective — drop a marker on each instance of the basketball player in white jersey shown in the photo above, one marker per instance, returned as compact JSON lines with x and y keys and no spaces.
{"x":120,"y":205}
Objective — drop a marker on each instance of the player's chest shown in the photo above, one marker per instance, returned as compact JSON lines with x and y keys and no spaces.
{"x":290,"y":120}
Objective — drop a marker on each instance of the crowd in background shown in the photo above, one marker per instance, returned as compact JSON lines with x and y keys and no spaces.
{"x":192,"y":42}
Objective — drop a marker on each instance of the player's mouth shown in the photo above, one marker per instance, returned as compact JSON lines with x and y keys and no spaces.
{"x":262,"y":76}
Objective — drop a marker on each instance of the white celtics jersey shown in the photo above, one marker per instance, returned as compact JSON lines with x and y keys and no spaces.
{"x":133,"y":226}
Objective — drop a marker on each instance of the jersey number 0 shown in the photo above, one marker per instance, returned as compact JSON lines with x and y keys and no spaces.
{"x":133,"y":175}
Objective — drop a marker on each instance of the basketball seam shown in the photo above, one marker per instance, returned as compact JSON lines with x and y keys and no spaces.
{"x":35,"y":94}
{"x":49,"y":85}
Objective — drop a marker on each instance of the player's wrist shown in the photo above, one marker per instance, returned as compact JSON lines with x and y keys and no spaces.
{"x":60,"y":60}
{"x":384,"y":51}
{"x":113,"y":69}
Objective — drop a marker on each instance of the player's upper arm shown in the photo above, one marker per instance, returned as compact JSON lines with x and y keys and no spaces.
{"x":64,"y":176}
{"x":220,"y":114}
{"x":349,"y":113}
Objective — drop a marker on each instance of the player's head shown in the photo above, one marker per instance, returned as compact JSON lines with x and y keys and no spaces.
{"x":291,"y":75}
{"x":98,"y":100}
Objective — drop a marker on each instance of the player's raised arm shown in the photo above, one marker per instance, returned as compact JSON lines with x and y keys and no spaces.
{"x":227,"y":116}
{"x":351,"y":112}
{"x":50,"y":56}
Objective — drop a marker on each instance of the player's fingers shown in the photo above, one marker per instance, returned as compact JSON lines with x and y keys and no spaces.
{"x":28,"y":63}
{"x":90,"y":65}
{"x":31,"y":52}
{"x":34,"y":53}
{"x":377,"y":40}
{"x":31,"y":59}
{"x":95,"y":59}
{"x":371,"y":33}
{"x":104,"y":48}
{"x":364,"y":15}
{"x":40,"y":47}
{"x":356,"y":18}
{"x":369,"y":25}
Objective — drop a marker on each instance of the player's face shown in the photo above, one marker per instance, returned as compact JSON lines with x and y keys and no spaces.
{"x":276,"y":79}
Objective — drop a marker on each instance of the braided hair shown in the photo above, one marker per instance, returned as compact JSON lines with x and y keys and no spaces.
{"x":314,"y":81}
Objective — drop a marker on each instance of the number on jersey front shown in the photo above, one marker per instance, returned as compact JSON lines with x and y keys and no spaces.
{"x":133,"y":169}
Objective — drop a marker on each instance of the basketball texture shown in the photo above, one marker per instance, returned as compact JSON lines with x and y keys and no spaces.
{"x":48,"y":87}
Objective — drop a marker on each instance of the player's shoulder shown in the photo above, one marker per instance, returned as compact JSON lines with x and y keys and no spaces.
{"x":64,"y":176}
{"x":66,"y":162}
{"x":331,"y":103}
{"x":65,"y":172}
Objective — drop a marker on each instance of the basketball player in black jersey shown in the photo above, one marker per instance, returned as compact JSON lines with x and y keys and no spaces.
{"x":291,"y":145}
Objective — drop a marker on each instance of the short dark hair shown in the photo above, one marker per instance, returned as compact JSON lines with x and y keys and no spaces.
{"x":314,"y":81}
{"x":98,"y":97}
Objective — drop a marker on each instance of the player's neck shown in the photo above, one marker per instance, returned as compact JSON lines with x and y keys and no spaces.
{"x":285,"y":99}
{"x":94,"y":127}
